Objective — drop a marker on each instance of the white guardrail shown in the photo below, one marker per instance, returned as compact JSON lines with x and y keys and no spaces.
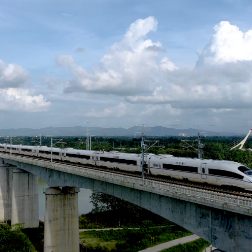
{"x":215,"y":199}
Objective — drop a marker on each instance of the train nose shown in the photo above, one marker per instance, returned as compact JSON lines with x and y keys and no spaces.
{"x":246,"y":179}
{"x":249,"y":180}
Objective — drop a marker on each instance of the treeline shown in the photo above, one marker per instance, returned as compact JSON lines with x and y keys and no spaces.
{"x":217,"y":148}
{"x":109,"y":211}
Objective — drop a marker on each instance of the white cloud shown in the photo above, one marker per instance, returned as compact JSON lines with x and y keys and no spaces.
{"x":153,"y":109}
{"x":65,"y":60}
{"x":228,"y":44}
{"x":118,"y":111}
{"x":222,"y":78}
{"x":134,"y":69}
{"x":15,"y":98}
{"x":52,"y":82}
{"x":228,"y":86}
{"x":150,"y":110}
{"x":173,"y":111}
{"x":221,"y":110}
{"x":129,"y":67}
{"x":12,"y":76}
{"x":166,"y":64}
{"x":18,"y":99}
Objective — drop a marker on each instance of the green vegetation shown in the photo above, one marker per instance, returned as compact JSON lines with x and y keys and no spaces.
{"x":12,"y":239}
{"x":131,"y":239}
{"x":215,"y":147}
{"x":113,"y":212}
{"x":195,"y":246}
{"x":36,"y":236}
{"x":110,"y":211}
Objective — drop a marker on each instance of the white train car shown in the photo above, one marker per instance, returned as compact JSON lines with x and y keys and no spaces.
{"x":214,"y":172}
{"x":47,"y":152}
{"x":79,"y":156}
{"x":120,"y":161}
{"x":28,"y":150}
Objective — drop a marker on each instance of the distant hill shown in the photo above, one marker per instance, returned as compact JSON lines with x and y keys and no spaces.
{"x":97,"y":131}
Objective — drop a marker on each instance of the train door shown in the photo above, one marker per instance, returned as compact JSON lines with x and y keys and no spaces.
{"x":94,"y":158}
{"x":148,"y":166}
{"x":63,"y":154}
{"x":204,"y":171}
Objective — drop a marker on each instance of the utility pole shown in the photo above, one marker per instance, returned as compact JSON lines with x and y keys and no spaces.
{"x":143,"y":149}
{"x":200,"y":146}
{"x":199,"y":151}
{"x":90,"y":142}
{"x":58,"y":141}
{"x":10,"y":144}
{"x":87,"y":140}
{"x":51,"y":148}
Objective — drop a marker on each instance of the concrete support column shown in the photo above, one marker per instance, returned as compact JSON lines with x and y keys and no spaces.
{"x":25,"y":206}
{"x":5,"y":192}
{"x":61,"y":230}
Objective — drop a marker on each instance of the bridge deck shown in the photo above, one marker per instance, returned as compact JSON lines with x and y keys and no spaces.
{"x":213,"y":199}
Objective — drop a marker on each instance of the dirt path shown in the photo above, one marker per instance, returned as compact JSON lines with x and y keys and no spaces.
{"x":170,"y":244}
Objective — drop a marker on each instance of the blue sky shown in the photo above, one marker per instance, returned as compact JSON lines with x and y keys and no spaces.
{"x":66,"y":62}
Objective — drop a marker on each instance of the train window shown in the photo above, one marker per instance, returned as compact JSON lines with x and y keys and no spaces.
{"x":1,"y":147}
{"x":8,"y":148}
{"x":243,"y":169}
{"x":77,"y":156}
{"x":203,"y":170}
{"x":223,"y":173}
{"x":249,"y":173}
{"x":47,"y":152}
{"x":84,"y":156}
{"x":118,"y":160}
{"x":71,"y":155}
{"x":55,"y":153}
{"x":180,"y":168}
{"x":26,"y":150}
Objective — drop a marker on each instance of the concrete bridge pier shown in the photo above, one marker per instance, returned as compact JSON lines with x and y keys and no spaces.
{"x":61,"y":230}
{"x":25,"y":206}
{"x":5,"y":191}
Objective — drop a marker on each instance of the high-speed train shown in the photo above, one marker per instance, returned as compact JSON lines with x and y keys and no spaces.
{"x":214,"y":172}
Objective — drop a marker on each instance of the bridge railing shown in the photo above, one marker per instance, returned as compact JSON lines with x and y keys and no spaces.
{"x":215,"y":199}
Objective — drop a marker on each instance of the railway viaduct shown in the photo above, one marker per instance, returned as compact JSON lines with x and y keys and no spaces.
{"x":222,"y":219}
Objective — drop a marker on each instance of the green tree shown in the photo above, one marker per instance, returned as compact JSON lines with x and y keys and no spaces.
{"x":12,"y":239}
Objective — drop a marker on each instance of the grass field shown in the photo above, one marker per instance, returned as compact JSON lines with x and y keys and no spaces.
{"x":94,"y":242}
{"x":130,"y":239}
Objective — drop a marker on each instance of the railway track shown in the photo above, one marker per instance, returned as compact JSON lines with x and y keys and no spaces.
{"x":188,"y":184}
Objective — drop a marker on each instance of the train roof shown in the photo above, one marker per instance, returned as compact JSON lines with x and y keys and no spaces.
{"x":74,"y":151}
